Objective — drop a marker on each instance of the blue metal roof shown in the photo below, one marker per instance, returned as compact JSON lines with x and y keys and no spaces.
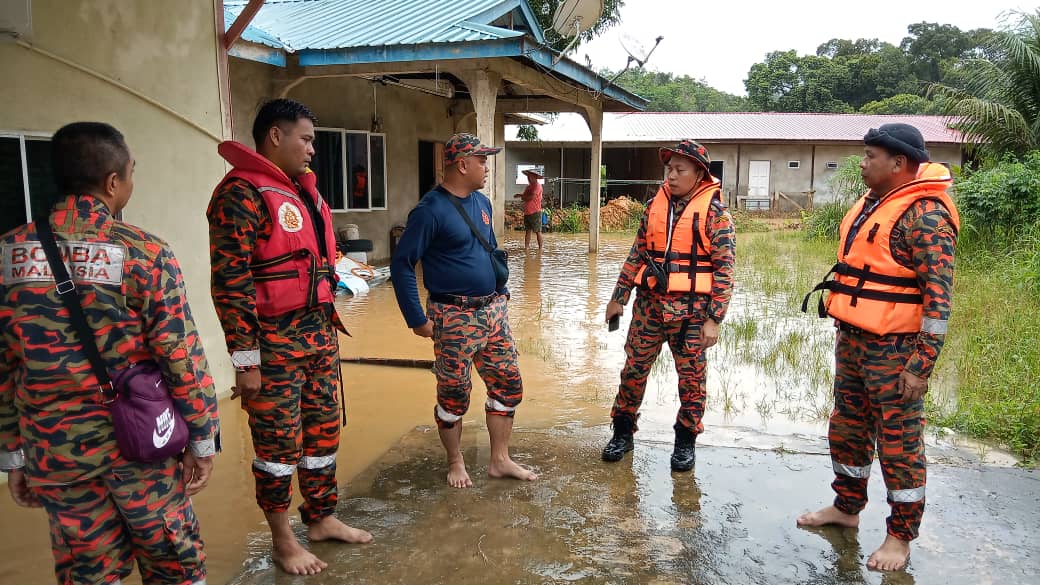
{"x":251,"y":33}
{"x":338,"y":24}
{"x":340,"y":32}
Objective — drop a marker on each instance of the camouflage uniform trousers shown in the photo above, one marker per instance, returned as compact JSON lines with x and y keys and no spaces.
{"x":647,"y":333}
{"x":131,"y":511}
{"x":481,"y":337}
{"x":869,"y":409}
{"x":294,"y":422}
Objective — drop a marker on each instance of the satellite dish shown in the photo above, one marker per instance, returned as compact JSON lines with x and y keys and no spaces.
{"x":635,"y":48}
{"x":574,"y":16}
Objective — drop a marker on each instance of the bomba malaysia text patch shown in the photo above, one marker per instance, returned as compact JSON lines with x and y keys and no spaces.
{"x":88,"y":262}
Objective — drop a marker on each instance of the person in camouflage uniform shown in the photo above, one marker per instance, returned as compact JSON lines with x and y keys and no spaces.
{"x":56,"y":437}
{"x":686,"y":236}
{"x":467,"y":311}
{"x":890,"y":298}
{"x":272,"y":251}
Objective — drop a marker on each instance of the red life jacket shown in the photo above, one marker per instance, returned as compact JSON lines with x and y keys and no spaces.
{"x":293,"y":269}
{"x":688,"y":261}
{"x":870,"y":290}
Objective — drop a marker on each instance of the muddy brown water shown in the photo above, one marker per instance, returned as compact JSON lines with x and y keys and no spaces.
{"x":768,"y":396}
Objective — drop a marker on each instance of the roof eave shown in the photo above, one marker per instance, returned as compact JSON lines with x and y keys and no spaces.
{"x":258,"y":52}
{"x":515,"y":47}
{"x":508,"y":6}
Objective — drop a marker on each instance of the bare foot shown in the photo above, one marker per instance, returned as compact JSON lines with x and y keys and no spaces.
{"x":828,"y":515}
{"x":892,"y":555}
{"x":509,"y":468}
{"x":331,"y":528}
{"x":290,"y":555}
{"x":457,"y":475}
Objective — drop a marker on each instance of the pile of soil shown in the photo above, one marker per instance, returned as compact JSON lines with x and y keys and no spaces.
{"x":619,"y":214}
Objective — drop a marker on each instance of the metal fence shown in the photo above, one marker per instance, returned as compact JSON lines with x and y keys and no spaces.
{"x":565,"y":192}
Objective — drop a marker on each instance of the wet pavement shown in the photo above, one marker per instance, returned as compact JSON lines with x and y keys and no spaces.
{"x":761,"y":461}
{"x":585,"y":521}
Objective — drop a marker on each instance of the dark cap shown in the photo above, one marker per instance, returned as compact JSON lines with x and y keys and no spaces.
{"x":534,"y":173}
{"x":690,"y":150}
{"x":899,"y":138}
{"x":462,"y":145}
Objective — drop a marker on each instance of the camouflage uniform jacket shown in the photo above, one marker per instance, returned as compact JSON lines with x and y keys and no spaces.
{"x":924,"y":240}
{"x":238,"y":220}
{"x":680,"y":306}
{"x":51,"y":421}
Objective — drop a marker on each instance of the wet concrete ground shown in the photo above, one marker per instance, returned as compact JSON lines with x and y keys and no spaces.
{"x":731,"y":521}
{"x":768,"y":399}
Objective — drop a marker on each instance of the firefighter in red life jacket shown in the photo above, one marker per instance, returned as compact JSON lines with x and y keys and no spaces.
{"x":682,"y":265}
{"x":272,"y":252}
{"x":890,"y":298}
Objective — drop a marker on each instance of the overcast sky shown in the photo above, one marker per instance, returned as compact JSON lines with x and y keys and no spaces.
{"x":720,"y":41}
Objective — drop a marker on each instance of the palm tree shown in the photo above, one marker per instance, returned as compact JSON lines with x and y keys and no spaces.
{"x":997,"y":105}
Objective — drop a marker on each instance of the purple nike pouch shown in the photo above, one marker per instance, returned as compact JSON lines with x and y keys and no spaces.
{"x":147,"y":426}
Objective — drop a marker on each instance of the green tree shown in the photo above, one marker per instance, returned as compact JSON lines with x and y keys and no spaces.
{"x":544,"y":10}
{"x":997,"y":105}
{"x":902,"y":103}
{"x":785,"y":82}
{"x":669,"y":93}
{"x":931,"y":46}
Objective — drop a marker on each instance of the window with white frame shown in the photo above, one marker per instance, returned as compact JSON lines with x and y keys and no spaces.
{"x":521,"y":178}
{"x":26,"y":183}
{"x":794,"y":164}
{"x":351,"y":168}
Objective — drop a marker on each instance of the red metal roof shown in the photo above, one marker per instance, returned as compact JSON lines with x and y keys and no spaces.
{"x":737,"y":127}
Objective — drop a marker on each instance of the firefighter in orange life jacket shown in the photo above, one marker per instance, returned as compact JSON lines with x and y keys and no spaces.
{"x":272,"y":251}
{"x":890,"y":298}
{"x":682,"y":265}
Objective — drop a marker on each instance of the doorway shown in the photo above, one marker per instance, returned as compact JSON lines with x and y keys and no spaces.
{"x":427,"y":166}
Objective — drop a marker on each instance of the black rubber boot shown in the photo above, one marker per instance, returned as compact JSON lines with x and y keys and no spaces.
{"x":685,"y":454}
{"x":621,"y":442}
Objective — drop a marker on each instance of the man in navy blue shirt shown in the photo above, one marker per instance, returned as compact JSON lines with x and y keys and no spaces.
{"x":466,"y":313}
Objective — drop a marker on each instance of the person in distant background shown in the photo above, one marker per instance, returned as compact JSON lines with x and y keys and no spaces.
{"x":360,"y":192}
{"x":532,"y":198}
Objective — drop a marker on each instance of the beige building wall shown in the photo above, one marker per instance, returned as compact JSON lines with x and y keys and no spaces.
{"x":407,"y":117}
{"x":639,"y":160}
{"x":166,"y":54}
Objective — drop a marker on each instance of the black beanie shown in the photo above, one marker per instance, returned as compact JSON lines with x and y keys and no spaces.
{"x":899,"y":139}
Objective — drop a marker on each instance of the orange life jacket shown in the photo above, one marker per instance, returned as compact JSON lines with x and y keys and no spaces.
{"x":683,"y":251}
{"x":293,"y":268}
{"x":870,"y":290}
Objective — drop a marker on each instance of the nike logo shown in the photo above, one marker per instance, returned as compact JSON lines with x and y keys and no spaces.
{"x":164,"y":425}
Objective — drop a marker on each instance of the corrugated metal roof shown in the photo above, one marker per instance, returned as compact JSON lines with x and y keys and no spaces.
{"x":251,"y":33}
{"x":735,"y":127}
{"x":338,"y":24}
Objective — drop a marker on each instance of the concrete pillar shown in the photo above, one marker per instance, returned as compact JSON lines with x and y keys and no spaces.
{"x":500,"y":175}
{"x":594,"y":118}
{"x":483,"y":91}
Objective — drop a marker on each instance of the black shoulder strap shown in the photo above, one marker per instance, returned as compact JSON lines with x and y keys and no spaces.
{"x":70,"y":296}
{"x":469,"y":221}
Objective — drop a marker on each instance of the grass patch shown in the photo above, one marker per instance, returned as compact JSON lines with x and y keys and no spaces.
{"x":744,"y":223}
{"x":991,"y":363}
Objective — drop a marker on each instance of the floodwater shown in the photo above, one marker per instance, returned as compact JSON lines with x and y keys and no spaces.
{"x":762,"y":460}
